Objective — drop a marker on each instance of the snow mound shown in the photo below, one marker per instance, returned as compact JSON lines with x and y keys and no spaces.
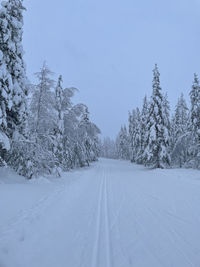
{"x":41,"y":180}
{"x":8,"y":176}
{"x":4,"y":141}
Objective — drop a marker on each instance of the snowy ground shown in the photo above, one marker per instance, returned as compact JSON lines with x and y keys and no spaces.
{"x":114,"y":214}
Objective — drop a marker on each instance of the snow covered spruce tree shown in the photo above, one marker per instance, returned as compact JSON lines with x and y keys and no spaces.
{"x":74,"y":154}
{"x":5,"y":84}
{"x":42,"y":124}
{"x":59,"y":130}
{"x":195,"y":122}
{"x":180,"y":134}
{"x":135,"y":134}
{"x":122,"y":144}
{"x":13,"y":82}
{"x":63,"y":105}
{"x":108,"y":148}
{"x":4,"y":103}
{"x":166,"y":114}
{"x":131,"y":129}
{"x":88,"y":132}
{"x":143,"y":130}
{"x":157,"y":146}
{"x":81,"y":137}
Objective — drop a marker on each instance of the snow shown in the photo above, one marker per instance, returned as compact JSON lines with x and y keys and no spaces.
{"x":4,"y":141}
{"x":1,"y":55}
{"x":4,"y":3}
{"x":112,"y":214}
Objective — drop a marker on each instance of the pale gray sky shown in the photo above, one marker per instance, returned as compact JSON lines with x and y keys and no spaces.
{"x":108,"y":48}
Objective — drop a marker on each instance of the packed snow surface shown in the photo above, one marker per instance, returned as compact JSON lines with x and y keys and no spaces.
{"x":113,"y":214}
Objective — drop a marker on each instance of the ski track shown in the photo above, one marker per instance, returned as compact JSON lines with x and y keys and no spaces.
{"x":98,"y":226}
{"x":102,"y":229}
{"x":116,"y":215}
{"x":107,"y":224}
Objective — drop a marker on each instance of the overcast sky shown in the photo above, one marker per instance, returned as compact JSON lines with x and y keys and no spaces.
{"x":108,"y":48}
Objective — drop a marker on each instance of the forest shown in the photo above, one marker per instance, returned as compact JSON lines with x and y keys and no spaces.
{"x":157,"y":138}
{"x":41,"y":130}
{"x":69,"y":195}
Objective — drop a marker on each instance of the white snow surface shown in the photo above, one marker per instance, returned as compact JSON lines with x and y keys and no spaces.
{"x":112,"y":214}
{"x":4,"y":140}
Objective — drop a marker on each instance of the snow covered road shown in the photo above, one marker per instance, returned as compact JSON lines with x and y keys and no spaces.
{"x":113,"y":214}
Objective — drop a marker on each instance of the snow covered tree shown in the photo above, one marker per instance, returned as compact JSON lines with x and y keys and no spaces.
{"x":5,"y":76}
{"x":157,"y":148}
{"x":131,"y":128}
{"x":4,"y":147}
{"x":88,"y":135}
{"x":4,"y":104}
{"x":62,"y":107}
{"x":42,"y":124}
{"x":135,"y":134}
{"x":122,"y":144}
{"x":81,"y":137}
{"x":108,"y":148}
{"x":195,"y":121}
{"x":143,"y":130}
{"x":74,"y":156}
{"x":12,"y":23}
{"x":59,"y":130}
{"x":13,"y":82}
{"x":166,"y":115}
{"x":180,"y":134}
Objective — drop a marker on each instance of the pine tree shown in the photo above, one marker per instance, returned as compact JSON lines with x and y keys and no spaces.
{"x":59,"y":129}
{"x":122,"y":144}
{"x":195,"y":121}
{"x":88,"y":135}
{"x":157,"y":147}
{"x":13,"y":54}
{"x":166,"y":115}
{"x":131,"y":127}
{"x":3,"y":108}
{"x":13,"y":83}
{"x":137,"y":136}
{"x":66,"y":123}
{"x":180,"y":134}
{"x":108,"y":148}
{"x":81,"y":137}
{"x":5,"y":75}
{"x":73,"y":150}
{"x":84,"y":128}
{"x":42,"y":124}
{"x":143,"y":130}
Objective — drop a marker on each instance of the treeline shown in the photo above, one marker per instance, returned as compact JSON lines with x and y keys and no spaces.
{"x":156,"y":139}
{"x":41,"y":131}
